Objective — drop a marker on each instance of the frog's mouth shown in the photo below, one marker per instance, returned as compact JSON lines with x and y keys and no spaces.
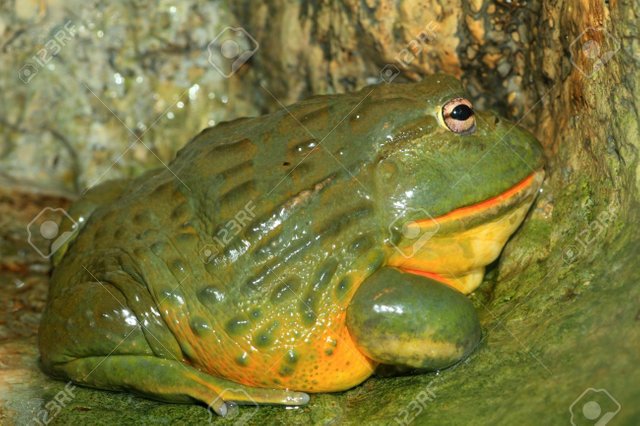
{"x":455,"y":248}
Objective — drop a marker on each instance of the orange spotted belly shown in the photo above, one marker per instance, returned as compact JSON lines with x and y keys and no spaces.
{"x":328,"y":361}
{"x":322,"y":359}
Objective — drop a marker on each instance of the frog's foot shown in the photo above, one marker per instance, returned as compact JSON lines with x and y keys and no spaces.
{"x":409,"y":320}
{"x":170,"y":381}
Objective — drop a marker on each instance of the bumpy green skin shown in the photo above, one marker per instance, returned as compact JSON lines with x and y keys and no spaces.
{"x":249,"y":213}
{"x":393,"y":309}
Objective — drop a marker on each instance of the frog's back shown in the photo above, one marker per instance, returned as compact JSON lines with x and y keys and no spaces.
{"x":241,"y":256}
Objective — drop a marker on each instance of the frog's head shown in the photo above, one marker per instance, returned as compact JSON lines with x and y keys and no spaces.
{"x":453,"y":183}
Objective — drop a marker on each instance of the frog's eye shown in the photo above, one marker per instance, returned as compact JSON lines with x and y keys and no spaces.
{"x":457,"y":115}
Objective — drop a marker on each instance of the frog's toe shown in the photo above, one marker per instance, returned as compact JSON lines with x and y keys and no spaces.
{"x":408,"y":320}
{"x":246,"y":395}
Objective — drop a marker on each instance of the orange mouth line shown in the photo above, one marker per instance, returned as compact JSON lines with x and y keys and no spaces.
{"x":483,"y":205}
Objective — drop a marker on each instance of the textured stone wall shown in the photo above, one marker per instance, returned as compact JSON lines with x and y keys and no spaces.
{"x":91,"y":90}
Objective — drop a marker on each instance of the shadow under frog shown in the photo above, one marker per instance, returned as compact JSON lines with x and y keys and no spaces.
{"x":339,"y":234}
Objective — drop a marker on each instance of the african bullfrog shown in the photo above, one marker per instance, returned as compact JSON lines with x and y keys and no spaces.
{"x":293,"y":253}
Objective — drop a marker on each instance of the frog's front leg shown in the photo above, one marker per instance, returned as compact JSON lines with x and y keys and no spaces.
{"x":171,"y":381}
{"x":408,"y":320}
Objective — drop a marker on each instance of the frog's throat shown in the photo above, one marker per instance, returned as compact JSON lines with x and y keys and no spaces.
{"x":455,"y":248}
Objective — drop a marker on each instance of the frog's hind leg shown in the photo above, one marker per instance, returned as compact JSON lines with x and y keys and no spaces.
{"x":91,"y":336}
{"x":172,"y":381}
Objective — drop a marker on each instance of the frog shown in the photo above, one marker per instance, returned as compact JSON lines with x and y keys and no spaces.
{"x":293,"y":253}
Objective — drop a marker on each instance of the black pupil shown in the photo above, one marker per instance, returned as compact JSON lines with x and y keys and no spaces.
{"x":461,"y":112}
